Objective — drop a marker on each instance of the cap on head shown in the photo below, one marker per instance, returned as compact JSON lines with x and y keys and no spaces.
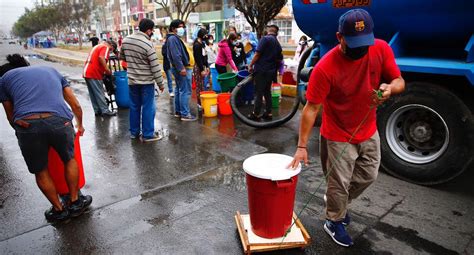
{"x":357,"y":27}
{"x":113,"y":44}
{"x":146,"y":24}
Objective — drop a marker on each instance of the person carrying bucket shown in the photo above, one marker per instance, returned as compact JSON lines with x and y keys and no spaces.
{"x":201,"y":66}
{"x":36,"y":100}
{"x":343,"y":83}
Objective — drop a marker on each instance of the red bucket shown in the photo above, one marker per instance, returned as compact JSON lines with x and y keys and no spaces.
{"x":56,"y":168}
{"x":271,"y":193}
{"x":223,"y":102}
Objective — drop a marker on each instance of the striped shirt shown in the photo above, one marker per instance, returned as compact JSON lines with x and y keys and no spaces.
{"x":140,"y":54}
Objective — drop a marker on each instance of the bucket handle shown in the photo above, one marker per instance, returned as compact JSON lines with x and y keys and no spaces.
{"x":284,"y":183}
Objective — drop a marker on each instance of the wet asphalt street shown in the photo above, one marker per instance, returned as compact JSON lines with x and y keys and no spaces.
{"x":179,"y":195}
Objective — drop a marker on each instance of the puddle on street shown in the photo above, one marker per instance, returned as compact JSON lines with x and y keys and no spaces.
{"x":34,"y":56}
{"x":231,"y":176}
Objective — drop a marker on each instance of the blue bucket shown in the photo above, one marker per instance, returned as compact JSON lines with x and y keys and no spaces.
{"x":216,"y":86}
{"x":122,"y":96}
{"x":247,"y":90}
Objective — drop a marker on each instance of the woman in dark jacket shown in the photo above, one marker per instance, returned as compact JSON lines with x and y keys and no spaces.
{"x":238,"y":53}
{"x":201,"y":67}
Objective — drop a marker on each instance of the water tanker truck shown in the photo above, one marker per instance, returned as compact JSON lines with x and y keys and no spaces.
{"x":427,"y":133}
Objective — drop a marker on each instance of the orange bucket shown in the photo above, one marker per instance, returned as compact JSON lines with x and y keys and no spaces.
{"x":56,"y":168}
{"x":223,"y":102}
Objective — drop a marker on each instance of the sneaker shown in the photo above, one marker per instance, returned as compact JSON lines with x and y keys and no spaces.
{"x":109,"y":114}
{"x":155,"y":137}
{"x":177,"y":115}
{"x":171,"y":94}
{"x":79,"y":206}
{"x":252,"y":116}
{"x":347,"y":220}
{"x":53,"y":215}
{"x":188,"y":118}
{"x":134,"y":137}
{"x":337,"y":232}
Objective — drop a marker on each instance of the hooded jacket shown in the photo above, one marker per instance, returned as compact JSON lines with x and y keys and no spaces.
{"x":224,"y":56}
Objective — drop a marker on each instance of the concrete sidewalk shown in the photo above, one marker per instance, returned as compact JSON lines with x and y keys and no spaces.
{"x":62,"y":55}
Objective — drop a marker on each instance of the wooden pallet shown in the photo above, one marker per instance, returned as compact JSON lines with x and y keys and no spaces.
{"x":298,"y":237}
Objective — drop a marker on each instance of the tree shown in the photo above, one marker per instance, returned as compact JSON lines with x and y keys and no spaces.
{"x":60,"y":15}
{"x":79,"y":17}
{"x":32,"y":21}
{"x":42,"y":18}
{"x":183,"y":7}
{"x":259,"y":12}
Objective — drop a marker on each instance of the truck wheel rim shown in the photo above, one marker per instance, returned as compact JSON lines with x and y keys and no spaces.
{"x":417,"y":134}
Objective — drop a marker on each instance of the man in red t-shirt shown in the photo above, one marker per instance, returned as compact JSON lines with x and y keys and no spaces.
{"x":94,"y":70}
{"x":343,"y":83}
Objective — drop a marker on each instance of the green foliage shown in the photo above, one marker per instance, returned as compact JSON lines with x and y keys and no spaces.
{"x":36,"y":20}
{"x":259,"y":12}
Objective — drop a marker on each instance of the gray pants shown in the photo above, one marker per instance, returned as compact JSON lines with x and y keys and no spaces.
{"x":97,"y":95}
{"x":351,"y":173}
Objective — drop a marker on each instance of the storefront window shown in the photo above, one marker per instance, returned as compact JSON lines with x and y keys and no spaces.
{"x":284,"y":35}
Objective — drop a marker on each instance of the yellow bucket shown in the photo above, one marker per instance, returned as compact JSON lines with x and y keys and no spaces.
{"x":209,"y":104}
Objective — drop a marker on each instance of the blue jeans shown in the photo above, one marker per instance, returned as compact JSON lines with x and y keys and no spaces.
{"x":142,"y":104}
{"x":183,"y":92}
{"x":169,"y":79}
{"x":96,"y":93}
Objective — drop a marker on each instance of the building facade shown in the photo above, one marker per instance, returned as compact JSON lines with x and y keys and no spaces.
{"x":121,"y":17}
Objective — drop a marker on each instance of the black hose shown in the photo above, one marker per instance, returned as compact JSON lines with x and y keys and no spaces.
{"x":301,"y":93}
{"x":257,"y":124}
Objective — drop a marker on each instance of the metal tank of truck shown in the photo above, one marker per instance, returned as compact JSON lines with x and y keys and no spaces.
{"x":427,"y":133}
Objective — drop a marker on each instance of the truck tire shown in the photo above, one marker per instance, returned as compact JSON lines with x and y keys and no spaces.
{"x":426,"y":134}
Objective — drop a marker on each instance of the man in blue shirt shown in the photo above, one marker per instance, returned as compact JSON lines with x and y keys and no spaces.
{"x":265,"y":64}
{"x":34,"y":99}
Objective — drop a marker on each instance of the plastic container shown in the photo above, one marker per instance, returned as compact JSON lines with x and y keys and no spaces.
{"x":276,"y":88}
{"x":215,"y":83}
{"x":209,"y":104}
{"x":223,"y":102}
{"x":275,"y":100}
{"x":249,"y":89}
{"x":227,"y":81}
{"x":271,"y":193}
{"x":56,"y":168}
{"x":287,"y":78}
{"x":122,"y":96}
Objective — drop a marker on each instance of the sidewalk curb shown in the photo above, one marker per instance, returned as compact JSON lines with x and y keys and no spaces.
{"x":59,"y":58}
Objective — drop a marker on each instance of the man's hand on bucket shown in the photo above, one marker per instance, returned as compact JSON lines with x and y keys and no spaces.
{"x":301,"y":154}
{"x":80,"y":130}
